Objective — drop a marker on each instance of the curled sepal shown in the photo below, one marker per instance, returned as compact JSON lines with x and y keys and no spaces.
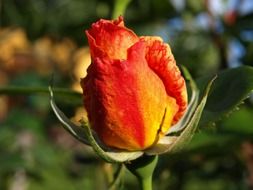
{"x":73,"y":129}
{"x":182,"y":123}
{"x":85,"y":135}
{"x":108,"y":155}
{"x":172,"y":144}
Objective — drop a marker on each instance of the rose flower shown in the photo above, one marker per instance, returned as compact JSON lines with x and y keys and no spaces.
{"x":134,"y":91}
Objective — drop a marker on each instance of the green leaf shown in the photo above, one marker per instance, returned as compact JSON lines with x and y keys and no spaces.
{"x":173,"y":144}
{"x":206,"y":141}
{"x":229,"y":90}
{"x":239,"y":123}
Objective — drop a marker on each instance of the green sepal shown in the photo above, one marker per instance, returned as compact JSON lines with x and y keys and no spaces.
{"x":182,"y":123}
{"x":74,"y":130}
{"x":109,"y":155}
{"x":85,"y":135}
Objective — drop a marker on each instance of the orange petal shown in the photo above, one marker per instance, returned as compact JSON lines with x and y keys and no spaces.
{"x":162,"y":62}
{"x":110,"y":38}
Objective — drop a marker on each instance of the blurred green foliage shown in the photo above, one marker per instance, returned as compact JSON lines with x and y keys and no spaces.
{"x":36,"y":153}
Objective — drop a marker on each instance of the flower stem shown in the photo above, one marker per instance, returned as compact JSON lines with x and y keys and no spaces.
{"x":119,"y":8}
{"x":115,"y":184}
{"x":22,"y":90}
{"x":143,"y":168}
{"x":146,"y":183}
{"x":64,"y":95}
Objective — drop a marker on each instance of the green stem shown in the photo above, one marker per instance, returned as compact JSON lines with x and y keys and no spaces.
{"x":146,"y":183}
{"x":119,"y":8}
{"x":143,"y":168}
{"x":117,"y":178}
{"x":64,"y":95}
{"x":20,"y":90}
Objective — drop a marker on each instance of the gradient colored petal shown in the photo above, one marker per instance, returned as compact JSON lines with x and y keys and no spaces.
{"x":110,"y":38}
{"x":162,"y":62}
{"x":126,"y":110}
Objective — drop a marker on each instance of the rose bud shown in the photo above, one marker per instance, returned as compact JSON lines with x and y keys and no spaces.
{"x":134,"y":91}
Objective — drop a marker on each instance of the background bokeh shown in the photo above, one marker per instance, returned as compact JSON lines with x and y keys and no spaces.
{"x":44,"y":38}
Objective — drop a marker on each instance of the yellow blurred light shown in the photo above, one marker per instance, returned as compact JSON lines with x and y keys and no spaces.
{"x":82,"y":61}
{"x":12,"y":41}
